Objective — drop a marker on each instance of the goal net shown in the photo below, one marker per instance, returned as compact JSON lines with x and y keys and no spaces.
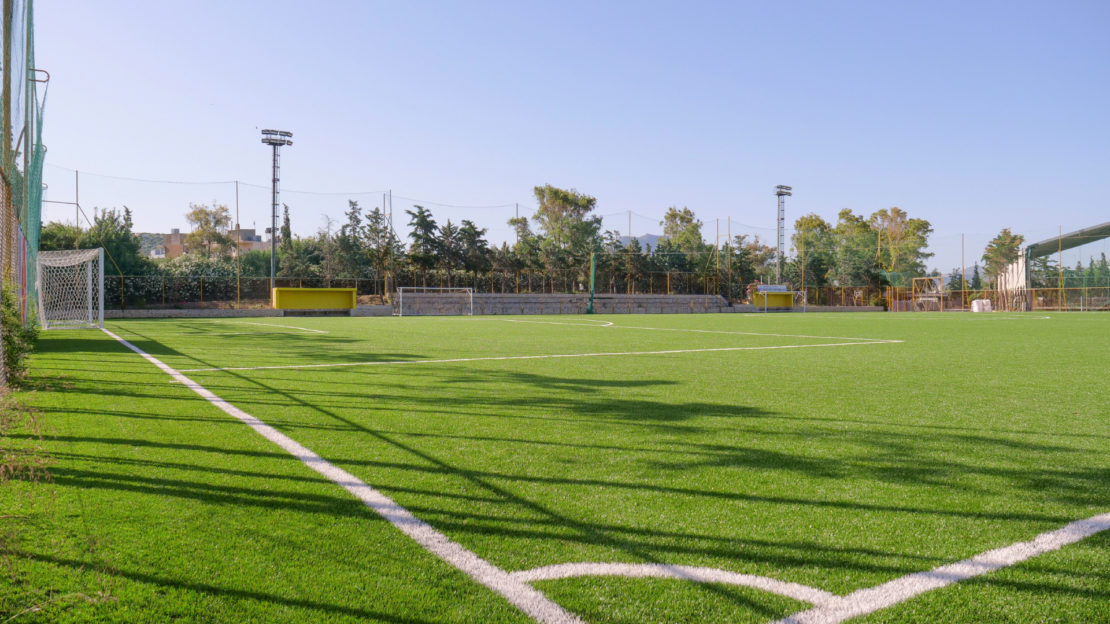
{"x":428,"y":301}
{"x":70,"y":288}
{"x":928,"y":294}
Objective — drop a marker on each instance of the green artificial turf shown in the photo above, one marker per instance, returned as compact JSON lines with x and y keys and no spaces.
{"x":838,"y":467}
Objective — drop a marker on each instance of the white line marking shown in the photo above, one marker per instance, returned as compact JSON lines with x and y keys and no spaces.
{"x":529,"y":357}
{"x":742,"y":333}
{"x":514,"y":586}
{"x":681,"y":572}
{"x":872,"y":599}
{"x":584,"y":323}
{"x":523,"y":596}
{"x":318,"y":331}
{"x":705,"y":331}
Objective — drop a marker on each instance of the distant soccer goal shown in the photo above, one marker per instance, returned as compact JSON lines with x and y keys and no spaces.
{"x":70,"y":288}
{"x":928,"y":294}
{"x":428,"y":301}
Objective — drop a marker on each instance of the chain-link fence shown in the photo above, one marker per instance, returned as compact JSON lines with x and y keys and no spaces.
{"x":1072,"y":299}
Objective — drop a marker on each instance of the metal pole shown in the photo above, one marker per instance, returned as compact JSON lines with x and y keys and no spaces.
{"x":101,"y":267}
{"x":593,"y":273}
{"x":392,"y":236}
{"x":717,"y":249}
{"x":782,"y":192}
{"x":782,"y":225}
{"x":273,"y":222}
{"x":238,"y":250}
{"x":89,"y":281}
{"x":963,"y":272}
{"x":630,"y":252}
{"x":1060,"y":266}
{"x":801,"y":239}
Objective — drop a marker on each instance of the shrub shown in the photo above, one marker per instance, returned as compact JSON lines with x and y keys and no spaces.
{"x":18,"y":339}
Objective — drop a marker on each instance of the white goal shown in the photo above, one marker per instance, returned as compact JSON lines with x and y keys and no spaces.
{"x":70,"y":287}
{"x":428,"y":301}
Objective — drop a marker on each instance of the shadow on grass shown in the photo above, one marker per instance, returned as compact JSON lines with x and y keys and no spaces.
{"x":880,"y":456}
{"x":217,"y":590}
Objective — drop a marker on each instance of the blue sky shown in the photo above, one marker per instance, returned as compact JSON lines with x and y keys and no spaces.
{"x":973,"y":115}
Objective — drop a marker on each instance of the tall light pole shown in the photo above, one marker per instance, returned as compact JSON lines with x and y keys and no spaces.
{"x":782,"y":192}
{"x":275,"y":139}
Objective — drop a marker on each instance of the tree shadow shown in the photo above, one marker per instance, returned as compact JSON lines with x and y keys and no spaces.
{"x":586,"y":403}
{"x":324,"y":608}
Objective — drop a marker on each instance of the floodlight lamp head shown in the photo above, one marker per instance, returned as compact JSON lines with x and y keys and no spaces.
{"x":277,"y":137}
{"x":782,"y":191}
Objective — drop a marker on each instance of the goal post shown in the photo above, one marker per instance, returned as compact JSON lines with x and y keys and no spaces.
{"x":928,"y":294}
{"x":431,"y":301}
{"x":70,"y":286}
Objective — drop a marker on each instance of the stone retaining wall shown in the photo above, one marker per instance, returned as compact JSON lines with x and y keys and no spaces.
{"x":189,"y":313}
{"x":427,"y":305}
{"x":430,"y":304}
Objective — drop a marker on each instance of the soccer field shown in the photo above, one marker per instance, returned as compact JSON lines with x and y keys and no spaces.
{"x":626,"y":468}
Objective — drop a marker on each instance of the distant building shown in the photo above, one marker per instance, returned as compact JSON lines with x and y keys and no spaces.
{"x":247,"y":240}
{"x":174,"y":243}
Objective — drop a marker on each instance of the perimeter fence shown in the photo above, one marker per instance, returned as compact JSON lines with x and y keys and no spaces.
{"x":229,"y":291}
{"x":1070,"y":299}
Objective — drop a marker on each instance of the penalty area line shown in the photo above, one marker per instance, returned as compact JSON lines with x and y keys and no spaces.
{"x":305,"y":329}
{"x":523,"y":596}
{"x":551,"y":356}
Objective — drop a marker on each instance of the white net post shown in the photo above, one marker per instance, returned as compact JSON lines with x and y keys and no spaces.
{"x":70,"y":288}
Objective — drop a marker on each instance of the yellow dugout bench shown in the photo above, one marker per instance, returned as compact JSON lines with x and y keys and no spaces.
{"x":313,"y":299}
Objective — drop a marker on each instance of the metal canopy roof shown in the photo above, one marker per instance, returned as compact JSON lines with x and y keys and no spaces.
{"x":1070,"y":240}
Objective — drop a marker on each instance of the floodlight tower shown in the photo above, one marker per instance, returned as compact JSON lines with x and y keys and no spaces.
{"x":782,"y":192}
{"x":275,"y":139}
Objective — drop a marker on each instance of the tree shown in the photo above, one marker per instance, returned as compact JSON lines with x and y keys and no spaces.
{"x":955,"y":279}
{"x":301,"y":257}
{"x":111,"y":229}
{"x":255,"y":263}
{"x":449,"y":254}
{"x":976,"y":281}
{"x":210,"y":230}
{"x":813,"y":242}
{"x":422,"y":250}
{"x":380,"y":244}
{"x":683,"y":230}
{"x":58,"y":236}
{"x":327,"y":244}
{"x":286,"y":240}
{"x":475,"y":248}
{"x":1100,"y":272}
{"x":527,"y":246}
{"x":1002,"y":251}
{"x":570,"y":231}
{"x":855,"y":246}
{"x":1044,"y":272}
{"x":902,"y":241}
{"x":350,"y":244}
